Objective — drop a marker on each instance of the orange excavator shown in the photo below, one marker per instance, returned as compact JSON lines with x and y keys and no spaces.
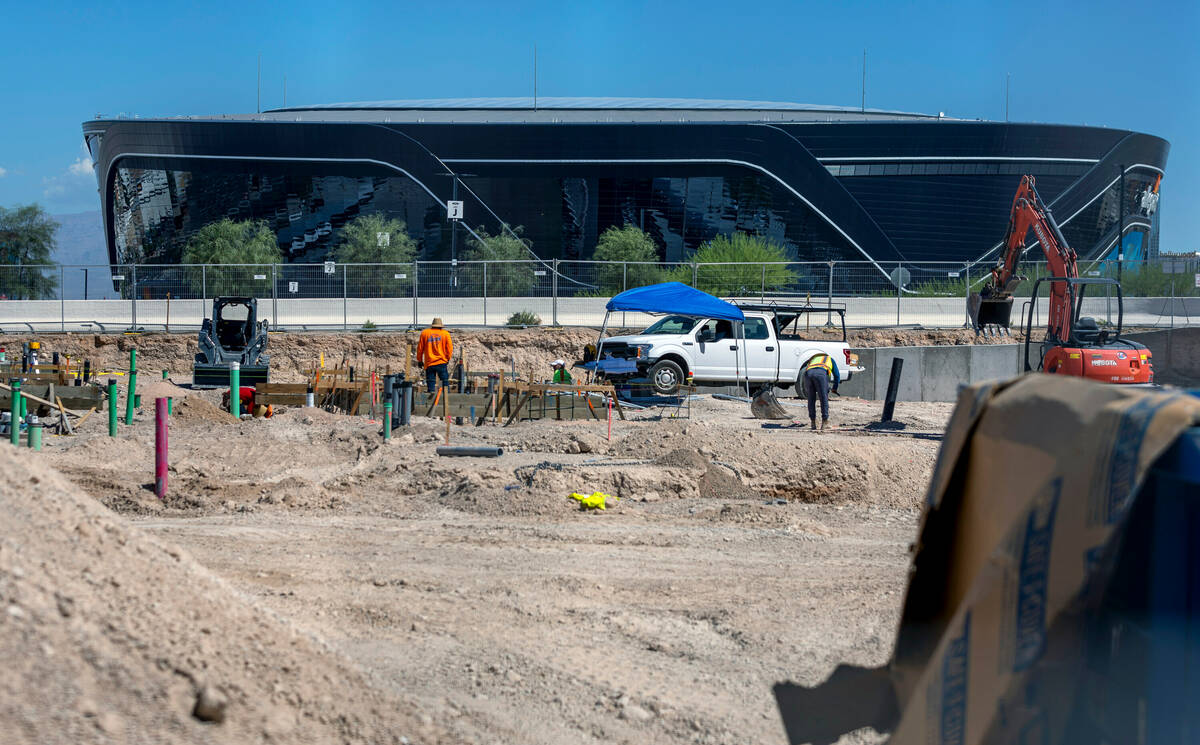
{"x":1074,"y":344}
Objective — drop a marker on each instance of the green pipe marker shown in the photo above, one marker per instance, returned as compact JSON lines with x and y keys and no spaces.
{"x":15,"y":421}
{"x":235,"y":389}
{"x":130,"y":401}
{"x":170,"y":401}
{"x":164,"y":374}
{"x":35,"y":434}
{"x":112,"y":407}
{"x":387,"y":420}
{"x":24,"y":406}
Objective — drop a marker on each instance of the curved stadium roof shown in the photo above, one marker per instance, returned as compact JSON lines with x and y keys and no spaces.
{"x":571,"y":108}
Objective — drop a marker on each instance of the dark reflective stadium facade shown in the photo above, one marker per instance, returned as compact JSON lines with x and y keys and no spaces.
{"x":825,"y":182}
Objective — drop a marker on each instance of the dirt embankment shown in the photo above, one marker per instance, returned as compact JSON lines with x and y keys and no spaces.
{"x":111,"y":635}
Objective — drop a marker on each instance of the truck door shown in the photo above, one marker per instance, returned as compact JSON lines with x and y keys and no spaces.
{"x":714,"y":350}
{"x":762,"y":349}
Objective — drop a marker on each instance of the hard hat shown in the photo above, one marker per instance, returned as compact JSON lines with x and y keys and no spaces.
{"x":35,"y":345}
{"x":437,"y":323}
{"x":558,"y":363}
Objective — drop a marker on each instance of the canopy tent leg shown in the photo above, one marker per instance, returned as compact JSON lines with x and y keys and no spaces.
{"x":599,"y":339}
{"x":745,"y":366}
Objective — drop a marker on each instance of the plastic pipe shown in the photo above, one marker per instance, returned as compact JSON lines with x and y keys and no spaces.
{"x":235,"y":389}
{"x":309,"y":398}
{"x":132,"y":391}
{"x":112,"y":407}
{"x":170,"y":402}
{"x":15,"y":421}
{"x":469,"y":451}
{"x":889,"y":401}
{"x":24,"y":406}
{"x":35,"y":433}
{"x":387,"y":420}
{"x":406,"y":399}
{"x":160,"y":447}
{"x":164,"y":374}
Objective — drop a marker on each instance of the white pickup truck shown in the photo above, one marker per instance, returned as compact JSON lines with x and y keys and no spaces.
{"x":780,"y":340}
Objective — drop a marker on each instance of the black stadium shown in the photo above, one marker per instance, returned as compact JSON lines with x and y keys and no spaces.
{"x":826,"y":182}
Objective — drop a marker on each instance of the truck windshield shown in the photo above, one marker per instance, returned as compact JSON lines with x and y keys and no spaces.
{"x":671,"y":325}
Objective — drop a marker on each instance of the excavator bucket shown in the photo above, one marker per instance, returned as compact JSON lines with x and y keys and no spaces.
{"x":989,"y":313}
{"x":765,"y":406}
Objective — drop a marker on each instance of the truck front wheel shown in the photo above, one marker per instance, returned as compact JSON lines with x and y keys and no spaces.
{"x":666,"y":377}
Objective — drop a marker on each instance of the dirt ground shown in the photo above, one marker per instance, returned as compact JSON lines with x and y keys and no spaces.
{"x":330,"y":587}
{"x":513,"y":350}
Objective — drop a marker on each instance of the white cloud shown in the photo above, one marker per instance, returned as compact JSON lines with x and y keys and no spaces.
{"x":53,"y":188}
{"x":81,"y":167}
{"x":3,"y":172}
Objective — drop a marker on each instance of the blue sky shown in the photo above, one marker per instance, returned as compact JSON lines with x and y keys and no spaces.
{"x":1133,"y":65}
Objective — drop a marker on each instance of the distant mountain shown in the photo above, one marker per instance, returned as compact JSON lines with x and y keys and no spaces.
{"x":80,"y":241}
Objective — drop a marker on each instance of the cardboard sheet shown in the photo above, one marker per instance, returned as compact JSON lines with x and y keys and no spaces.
{"x":1033,"y":483}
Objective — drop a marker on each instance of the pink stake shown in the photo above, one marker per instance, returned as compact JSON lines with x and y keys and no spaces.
{"x":160,"y":447}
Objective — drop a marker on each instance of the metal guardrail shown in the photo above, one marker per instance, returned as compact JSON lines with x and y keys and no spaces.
{"x":1161,"y":292}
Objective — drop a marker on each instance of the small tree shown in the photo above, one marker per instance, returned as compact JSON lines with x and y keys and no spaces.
{"x":738,"y":265}
{"x":249,"y":244}
{"x":504,"y":280}
{"x":375,"y":239}
{"x":26,"y":242}
{"x":626,"y":244}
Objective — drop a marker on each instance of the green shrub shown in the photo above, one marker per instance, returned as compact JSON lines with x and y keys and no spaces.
{"x":524,"y":318}
{"x":627,"y":244}
{"x":734,"y":266}
{"x":367,"y":327}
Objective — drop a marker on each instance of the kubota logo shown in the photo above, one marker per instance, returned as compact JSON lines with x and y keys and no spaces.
{"x":1104,"y":362}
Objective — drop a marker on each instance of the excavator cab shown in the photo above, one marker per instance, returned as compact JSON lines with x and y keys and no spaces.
{"x":1090,"y":350}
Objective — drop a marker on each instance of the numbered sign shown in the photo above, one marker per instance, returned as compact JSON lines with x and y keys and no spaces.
{"x":329,"y":267}
{"x":260,"y":276}
{"x":454,"y":209}
{"x":401,"y":276}
{"x":383,"y":239}
{"x":293,"y":287}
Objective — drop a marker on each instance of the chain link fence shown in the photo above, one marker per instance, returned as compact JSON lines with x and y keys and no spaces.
{"x":1160,"y":293}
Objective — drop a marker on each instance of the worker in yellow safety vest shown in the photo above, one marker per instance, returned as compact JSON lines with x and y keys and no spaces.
{"x":820,"y":374}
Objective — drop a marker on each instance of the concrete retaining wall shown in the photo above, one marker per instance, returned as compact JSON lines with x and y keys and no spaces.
{"x":932,"y":373}
{"x":935,"y":373}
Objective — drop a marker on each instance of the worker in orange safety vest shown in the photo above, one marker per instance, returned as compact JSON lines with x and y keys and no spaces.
{"x":434,"y":350}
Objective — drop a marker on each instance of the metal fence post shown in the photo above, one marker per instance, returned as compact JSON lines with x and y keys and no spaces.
{"x":967,"y":296}
{"x":762,"y":294}
{"x":624,"y":285}
{"x":694,"y":280}
{"x":274,"y":296}
{"x":485,"y":293}
{"x":829,"y":298}
{"x":345,"y":321}
{"x":62,"y":298}
{"x":554,"y":295}
{"x":133,"y":296}
{"x":899,"y":285}
{"x":416,"y":281}
{"x":204,"y":288}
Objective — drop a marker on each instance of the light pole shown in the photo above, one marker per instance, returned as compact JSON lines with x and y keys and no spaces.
{"x":1121,"y":223}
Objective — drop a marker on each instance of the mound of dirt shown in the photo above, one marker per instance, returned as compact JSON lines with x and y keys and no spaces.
{"x":110,"y":635}
{"x":195,"y":408}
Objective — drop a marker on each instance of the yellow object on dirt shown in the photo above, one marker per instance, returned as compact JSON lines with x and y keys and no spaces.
{"x":594,"y":502}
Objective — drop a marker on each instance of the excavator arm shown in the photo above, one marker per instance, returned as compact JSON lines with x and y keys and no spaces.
{"x":991,"y":308}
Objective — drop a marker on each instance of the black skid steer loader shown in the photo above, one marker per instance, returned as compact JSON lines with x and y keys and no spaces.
{"x":232,"y":334}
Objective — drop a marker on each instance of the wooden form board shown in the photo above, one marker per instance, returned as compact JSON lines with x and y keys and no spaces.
{"x":529,"y":402}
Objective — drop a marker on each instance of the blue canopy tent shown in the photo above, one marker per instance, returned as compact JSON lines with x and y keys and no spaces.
{"x":678,"y":299}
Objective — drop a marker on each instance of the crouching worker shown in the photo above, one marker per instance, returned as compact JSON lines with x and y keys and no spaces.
{"x":820,"y":374}
{"x":560,"y":373}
